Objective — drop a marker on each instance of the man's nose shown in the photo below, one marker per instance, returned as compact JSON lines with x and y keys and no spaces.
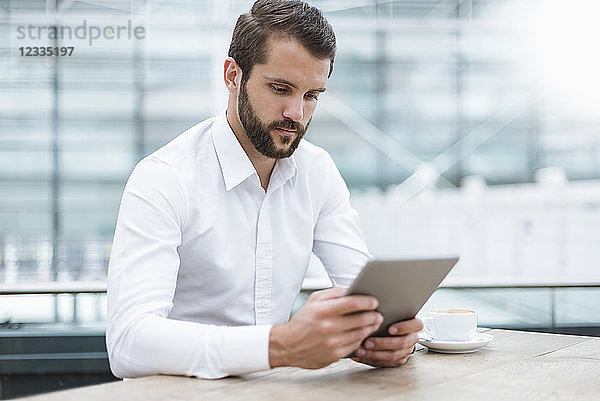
{"x":293,"y":110}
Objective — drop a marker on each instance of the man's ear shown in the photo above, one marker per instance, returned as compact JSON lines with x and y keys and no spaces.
{"x":232,"y":74}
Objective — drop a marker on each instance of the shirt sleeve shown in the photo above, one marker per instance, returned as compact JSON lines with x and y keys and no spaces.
{"x":338,"y":240}
{"x":141,"y":339}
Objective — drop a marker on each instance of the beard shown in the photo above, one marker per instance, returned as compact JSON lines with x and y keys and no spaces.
{"x":259,"y":133}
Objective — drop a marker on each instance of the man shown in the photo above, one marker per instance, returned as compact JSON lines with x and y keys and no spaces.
{"x":216,"y":228}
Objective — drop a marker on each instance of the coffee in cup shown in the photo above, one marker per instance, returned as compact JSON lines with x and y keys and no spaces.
{"x":451,"y":324}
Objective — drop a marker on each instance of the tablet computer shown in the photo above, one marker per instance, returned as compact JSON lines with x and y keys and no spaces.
{"x":402,"y":286}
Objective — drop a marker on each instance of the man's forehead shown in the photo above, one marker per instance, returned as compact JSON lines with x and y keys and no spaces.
{"x":288,"y":60}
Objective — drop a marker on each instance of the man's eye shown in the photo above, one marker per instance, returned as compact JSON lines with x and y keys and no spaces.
{"x":312,"y":96}
{"x":279,"y":89}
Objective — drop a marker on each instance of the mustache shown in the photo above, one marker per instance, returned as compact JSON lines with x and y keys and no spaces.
{"x":287,"y":124}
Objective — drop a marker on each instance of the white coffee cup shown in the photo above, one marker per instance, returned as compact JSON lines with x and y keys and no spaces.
{"x":451,"y":324}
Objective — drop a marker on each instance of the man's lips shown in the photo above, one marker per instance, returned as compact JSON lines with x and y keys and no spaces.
{"x":286,"y":132}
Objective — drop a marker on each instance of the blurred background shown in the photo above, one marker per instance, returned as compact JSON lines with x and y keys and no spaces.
{"x":461,"y":127}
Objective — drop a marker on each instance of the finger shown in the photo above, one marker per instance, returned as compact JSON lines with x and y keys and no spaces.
{"x":356,"y":359}
{"x":392,"y":343}
{"x":353,"y":338}
{"x":351,"y":304}
{"x":329,"y":293}
{"x":357,"y":320}
{"x":380,"y":363}
{"x":387,"y":358}
{"x":413,"y":325}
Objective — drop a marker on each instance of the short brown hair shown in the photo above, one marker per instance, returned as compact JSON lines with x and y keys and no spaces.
{"x":286,"y":18}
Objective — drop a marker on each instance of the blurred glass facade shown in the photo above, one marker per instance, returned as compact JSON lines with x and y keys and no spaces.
{"x":497,"y":89}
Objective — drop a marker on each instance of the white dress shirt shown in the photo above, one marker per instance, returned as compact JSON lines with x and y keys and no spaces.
{"x":205,"y":261}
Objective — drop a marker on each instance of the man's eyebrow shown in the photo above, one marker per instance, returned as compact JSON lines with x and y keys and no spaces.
{"x":288,"y":83}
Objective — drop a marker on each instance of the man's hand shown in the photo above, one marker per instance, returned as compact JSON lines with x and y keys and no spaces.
{"x":329,"y":326}
{"x":391,"y":351}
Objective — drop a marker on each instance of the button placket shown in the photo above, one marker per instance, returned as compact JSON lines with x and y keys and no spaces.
{"x":264,"y":265}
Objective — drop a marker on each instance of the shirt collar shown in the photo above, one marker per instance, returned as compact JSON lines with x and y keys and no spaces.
{"x":235,"y":164}
{"x":284,"y":170}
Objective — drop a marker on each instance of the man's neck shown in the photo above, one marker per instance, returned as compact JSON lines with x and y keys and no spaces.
{"x":262,"y":164}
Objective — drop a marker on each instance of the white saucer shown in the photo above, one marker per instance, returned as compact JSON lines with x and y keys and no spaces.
{"x":456,"y":347}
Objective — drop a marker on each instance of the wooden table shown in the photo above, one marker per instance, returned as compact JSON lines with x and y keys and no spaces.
{"x":514,"y":366}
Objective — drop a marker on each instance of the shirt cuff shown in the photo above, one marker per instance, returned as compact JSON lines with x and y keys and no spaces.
{"x":246,"y":349}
